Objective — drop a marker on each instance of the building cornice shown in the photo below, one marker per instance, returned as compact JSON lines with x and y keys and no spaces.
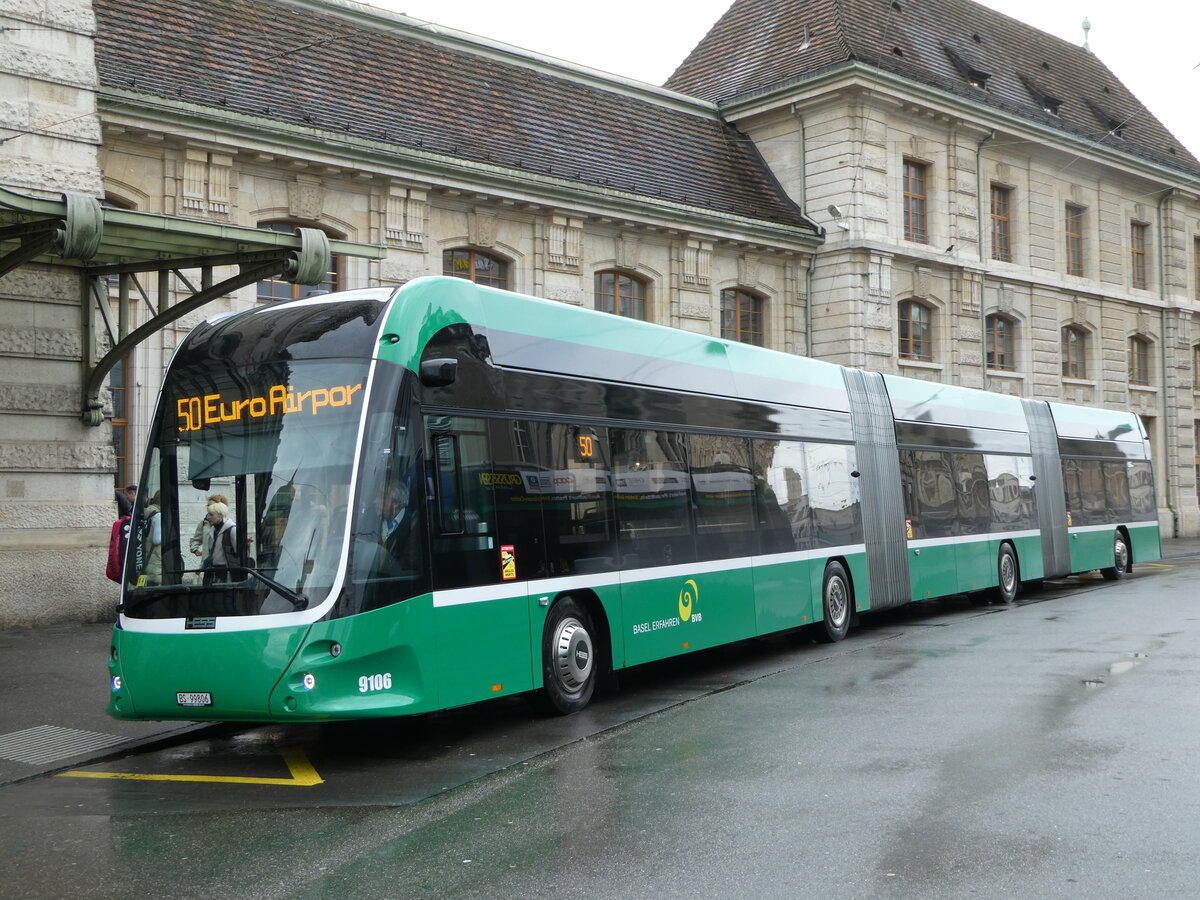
{"x":815,"y":87}
{"x":238,"y":131}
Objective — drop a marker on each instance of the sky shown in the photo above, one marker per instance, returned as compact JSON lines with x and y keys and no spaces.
{"x":1152,"y":46}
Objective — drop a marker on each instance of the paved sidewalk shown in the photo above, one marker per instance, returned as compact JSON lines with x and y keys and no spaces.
{"x":54,"y":687}
{"x":53,"y":690}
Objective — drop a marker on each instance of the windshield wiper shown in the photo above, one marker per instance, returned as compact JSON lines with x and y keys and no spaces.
{"x":298,"y":601}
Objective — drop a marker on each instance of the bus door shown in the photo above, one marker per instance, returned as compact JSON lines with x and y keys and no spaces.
{"x":486,"y":544}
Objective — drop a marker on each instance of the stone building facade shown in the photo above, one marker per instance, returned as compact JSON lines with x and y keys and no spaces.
{"x":849,"y":197}
{"x":988,"y":187}
{"x":56,"y":476}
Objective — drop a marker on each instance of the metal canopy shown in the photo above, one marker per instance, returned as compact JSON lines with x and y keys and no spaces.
{"x":101,"y":242}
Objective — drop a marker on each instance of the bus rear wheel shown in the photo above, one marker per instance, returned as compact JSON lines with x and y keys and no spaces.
{"x":1008,"y":575}
{"x":836,"y":598}
{"x":568,"y":658}
{"x":1120,"y":566}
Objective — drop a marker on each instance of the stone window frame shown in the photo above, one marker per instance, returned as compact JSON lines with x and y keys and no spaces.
{"x":470,"y":271}
{"x":1074,"y":216}
{"x":1074,"y":347}
{"x":909,"y":347}
{"x":1139,"y":270}
{"x":1002,"y":224}
{"x":915,"y":195}
{"x":1141,"y":360}
{"x":993,"y":353}
{"x":638,"y":298}
{"x":732,"y":301}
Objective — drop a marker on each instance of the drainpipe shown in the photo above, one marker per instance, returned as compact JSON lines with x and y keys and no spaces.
{"x":982,"y":264}
{"x":802,"y":199}
{"x":1162,"y":356}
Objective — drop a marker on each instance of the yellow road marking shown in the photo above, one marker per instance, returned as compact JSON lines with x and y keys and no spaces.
{"x":303,"y":774}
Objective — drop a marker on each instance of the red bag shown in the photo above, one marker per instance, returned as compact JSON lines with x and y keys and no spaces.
{"x":116,"y":549}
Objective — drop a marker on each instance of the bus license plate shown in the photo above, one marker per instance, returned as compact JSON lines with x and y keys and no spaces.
{"x":193,"y":698}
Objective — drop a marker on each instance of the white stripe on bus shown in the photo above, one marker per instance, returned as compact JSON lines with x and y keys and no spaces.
{"x":548,"y":586}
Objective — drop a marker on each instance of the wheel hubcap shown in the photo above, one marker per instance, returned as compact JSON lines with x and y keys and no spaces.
{"x":1008,"y":573}
{"x":1121,"y":556}
{"x":835,"y":602}
{"x":572,"y":655}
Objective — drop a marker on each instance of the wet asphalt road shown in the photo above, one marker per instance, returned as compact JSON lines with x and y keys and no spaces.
{"x":954,"y":749}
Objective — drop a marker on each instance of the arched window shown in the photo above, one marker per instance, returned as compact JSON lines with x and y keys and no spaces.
{"x":621,"y":294}
{"x":742,"y":317}
{"x":1001,"y":343}
{"x":275,"y":289}
{"x":1196,"y":369}
{"x":476,"y":266}
{"x":1139,"y":360}
{"x":1074,"y":352}
{"x":915,"y":325}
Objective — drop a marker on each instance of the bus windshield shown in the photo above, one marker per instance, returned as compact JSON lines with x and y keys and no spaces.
{"x":245,"y":503}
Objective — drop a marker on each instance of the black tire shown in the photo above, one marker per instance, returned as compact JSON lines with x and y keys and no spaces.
{"x":1121,"y":559}
{"x":1008,"y":575}
{"x":837,"y":605}
{"x":570,"y":664}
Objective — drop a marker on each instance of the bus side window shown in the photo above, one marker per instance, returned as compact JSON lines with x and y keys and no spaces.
{"x":652,"y":497}
{"x":833,"y":493}
{"x":517,"y":497}
{"x":581,"y":534}
{"x":935,"y":493}
{"x":1141,"y":492}
{"x":1116,"y":491}
{"x":781,"y":489}
{"x":447,"y":484}
{"x":908,"y":485}
{"x":461,"y":478}
{"x":723,"y":496}
{"x":974,"y":500}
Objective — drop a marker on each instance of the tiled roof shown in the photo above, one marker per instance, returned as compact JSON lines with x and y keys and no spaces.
{"x":946,"y":44}
{"x":369,"y":77}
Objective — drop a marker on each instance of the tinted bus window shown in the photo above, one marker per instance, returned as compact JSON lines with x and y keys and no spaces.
{"x":516,"y":482}
{"x":930,"y":502}
{"x":723,"y":494}
{"x":1083,"y":483}
{"x":652,"y":497}
{"x":1011,"y":492}
{"x":459,"y":488}
{"x":575,"y":484}
{"x":1141,"y":492}
{"x":974,"y":502}
{"x":781,"y":486}
{"x":1116,"y":491}
{"x":833,"y":494}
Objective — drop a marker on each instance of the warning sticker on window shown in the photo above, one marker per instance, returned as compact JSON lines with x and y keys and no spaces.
{"x":508,"y":563}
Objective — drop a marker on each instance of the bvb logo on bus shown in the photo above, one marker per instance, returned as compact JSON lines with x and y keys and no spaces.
{"x":688,"y":595}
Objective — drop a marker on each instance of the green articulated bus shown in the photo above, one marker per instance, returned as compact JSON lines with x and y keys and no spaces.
{"x":434,"y":495}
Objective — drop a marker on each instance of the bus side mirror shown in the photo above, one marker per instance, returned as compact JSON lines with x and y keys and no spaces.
{"x":438,"y":372}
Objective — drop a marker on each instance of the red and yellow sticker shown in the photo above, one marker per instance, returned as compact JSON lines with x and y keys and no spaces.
{"x":508,"y":562}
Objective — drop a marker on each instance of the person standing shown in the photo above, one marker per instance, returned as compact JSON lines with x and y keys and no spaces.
{"x":223,"y":555}
{"x":202,"y":538}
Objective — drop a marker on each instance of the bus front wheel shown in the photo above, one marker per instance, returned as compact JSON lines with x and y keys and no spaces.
{"x":568,"y":658}
{"x":1120,"y":566}
{"x":836,"y":598}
